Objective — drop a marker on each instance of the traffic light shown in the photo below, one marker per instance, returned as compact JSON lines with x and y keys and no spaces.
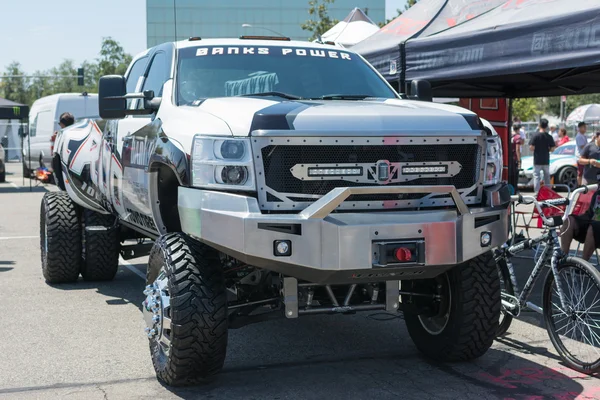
{"x":80,"y":77}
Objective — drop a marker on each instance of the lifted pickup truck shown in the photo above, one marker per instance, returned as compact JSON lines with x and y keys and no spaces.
{"x":280,"y":178}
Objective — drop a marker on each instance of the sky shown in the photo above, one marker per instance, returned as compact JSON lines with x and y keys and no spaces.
{"x":40,"y":34}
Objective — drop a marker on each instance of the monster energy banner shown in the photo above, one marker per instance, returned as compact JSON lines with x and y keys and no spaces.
{"x":13,"y":112}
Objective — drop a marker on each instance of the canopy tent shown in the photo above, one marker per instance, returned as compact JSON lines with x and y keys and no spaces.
{"x":13,"y":117}
{"x":385,"y":49}
{"x":524,"y":48}
{"x":12,"y":110}
{"x":356,"y":27}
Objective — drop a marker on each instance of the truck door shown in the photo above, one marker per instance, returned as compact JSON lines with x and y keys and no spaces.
{"x":114,"y":134}
{"x":135,"y":141}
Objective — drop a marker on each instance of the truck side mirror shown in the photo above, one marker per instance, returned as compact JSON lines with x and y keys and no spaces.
{"x":111,"y":97}
{"x":421,"y":90}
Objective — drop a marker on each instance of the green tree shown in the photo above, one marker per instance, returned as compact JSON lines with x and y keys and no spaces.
{"x":14,"y":88}
{"x":319,"y":21}
{"x":399,"y":12}
{"x":526,"y":109}
{"x":572,"y":103}
{"x":113,"y":59}
{"x":63,"y":80}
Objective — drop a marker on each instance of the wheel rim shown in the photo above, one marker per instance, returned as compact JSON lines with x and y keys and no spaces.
{"x":436,"y":324}
{"x":157,"y":314}
{"x":569,"y":178}
{"x":577,"y":325}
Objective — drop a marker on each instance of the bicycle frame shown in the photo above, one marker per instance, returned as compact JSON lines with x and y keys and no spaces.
{"x":553,"y":251}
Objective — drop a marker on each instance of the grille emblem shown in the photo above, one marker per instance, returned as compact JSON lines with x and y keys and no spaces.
{"x":383,"y":170}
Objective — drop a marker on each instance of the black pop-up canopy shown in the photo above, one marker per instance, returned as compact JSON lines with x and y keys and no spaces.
{"x":11,"y":110}
{"x":523,"y":48}
{"x":385,"y":50}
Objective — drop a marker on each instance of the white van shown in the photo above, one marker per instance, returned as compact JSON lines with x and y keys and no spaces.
{"x":44,"y":116}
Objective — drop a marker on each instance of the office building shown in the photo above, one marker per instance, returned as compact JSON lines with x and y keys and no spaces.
{"x":170,"y":19}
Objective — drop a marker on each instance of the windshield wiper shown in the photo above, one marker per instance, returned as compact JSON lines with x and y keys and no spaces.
{"x":343,"y":97}
{"x":278,"y":94}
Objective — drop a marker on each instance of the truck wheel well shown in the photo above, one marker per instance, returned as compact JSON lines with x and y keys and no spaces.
{"x":167,"y":196}
{"x":57,"y":171}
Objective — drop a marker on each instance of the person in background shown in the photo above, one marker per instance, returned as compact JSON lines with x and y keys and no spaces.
{"x":516,"y":142}
{"x":541,"y":144}
{"x":585,"y":228}
{"x":580,"y":141}
{"x":66,"y":119}
{"x":590,"y":159}
{"x":554,"y":133}
{"x":562,"y":136}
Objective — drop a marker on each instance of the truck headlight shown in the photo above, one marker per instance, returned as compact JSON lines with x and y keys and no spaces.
{"x":493,"y":161}
{"x":222,"y":163}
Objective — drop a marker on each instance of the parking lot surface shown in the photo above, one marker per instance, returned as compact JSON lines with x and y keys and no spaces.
{"x":86,"y":340}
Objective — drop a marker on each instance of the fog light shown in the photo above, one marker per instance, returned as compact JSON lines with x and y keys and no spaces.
{"x":485,"y":239}
{"x":282,"y":248}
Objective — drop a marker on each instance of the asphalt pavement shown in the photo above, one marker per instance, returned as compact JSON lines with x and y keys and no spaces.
{"x":86,"y":340}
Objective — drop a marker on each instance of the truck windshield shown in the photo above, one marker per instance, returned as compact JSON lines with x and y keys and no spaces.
{"x":291,"y":72}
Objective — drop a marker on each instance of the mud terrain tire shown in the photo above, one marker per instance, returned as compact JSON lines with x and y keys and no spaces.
{"x":198,"y":310}
{"x":474,"y":313}
{"x":100,"y":247}
{"x":60,"y":238}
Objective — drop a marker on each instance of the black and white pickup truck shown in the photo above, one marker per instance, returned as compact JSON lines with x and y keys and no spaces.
{"x":280,"y":178}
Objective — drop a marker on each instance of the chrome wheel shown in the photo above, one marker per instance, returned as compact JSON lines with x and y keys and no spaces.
{"x":157,"y":313}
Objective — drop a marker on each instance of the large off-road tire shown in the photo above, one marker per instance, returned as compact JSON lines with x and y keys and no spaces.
{"x":60,"y":238}
{"x":189,"y":341}
{"x":464,"y":324}
{"x":100,"y":258}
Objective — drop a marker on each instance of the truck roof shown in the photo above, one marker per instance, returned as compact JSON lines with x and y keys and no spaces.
{"x":254,"y":42}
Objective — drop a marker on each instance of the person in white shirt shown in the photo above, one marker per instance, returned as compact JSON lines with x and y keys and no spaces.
{"x":580,"y":141}
{"x":554,"y":133}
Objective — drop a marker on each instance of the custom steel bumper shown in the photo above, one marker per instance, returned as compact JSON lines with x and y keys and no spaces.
{"x":328,"y":247}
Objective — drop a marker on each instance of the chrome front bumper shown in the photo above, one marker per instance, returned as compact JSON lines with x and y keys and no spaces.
{"x":329,"y":247}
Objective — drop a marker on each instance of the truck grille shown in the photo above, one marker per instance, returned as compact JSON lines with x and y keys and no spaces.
{"x":280,"y":189}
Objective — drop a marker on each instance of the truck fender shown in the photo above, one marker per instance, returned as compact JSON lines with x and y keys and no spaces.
{"x":171,"y":165}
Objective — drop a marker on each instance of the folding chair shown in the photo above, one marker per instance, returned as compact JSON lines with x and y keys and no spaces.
{"x":545,"y":193}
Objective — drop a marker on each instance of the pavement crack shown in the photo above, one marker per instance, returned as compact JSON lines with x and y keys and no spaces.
{"x":103,"y":392}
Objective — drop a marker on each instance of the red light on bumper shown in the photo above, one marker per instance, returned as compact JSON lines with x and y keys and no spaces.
{"x":402,"y":254}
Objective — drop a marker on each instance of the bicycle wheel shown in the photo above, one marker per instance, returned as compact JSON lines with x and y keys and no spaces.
{"x":507,"y":288}
{"x":575,"y":328}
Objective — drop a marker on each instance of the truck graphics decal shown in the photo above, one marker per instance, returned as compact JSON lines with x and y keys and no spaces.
{"x":142,"y":153}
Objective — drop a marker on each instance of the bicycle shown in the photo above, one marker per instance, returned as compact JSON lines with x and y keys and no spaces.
{"x":571,"y":283}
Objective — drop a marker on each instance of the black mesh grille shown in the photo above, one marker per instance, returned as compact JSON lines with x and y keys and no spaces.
{"x":278,"y":160}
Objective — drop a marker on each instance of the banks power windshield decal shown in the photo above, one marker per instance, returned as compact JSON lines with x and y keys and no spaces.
{"x":270,"y":51}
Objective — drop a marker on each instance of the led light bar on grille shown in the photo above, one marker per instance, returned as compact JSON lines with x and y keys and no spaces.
{"x":335,"y":171}
{"x":441,"y":169}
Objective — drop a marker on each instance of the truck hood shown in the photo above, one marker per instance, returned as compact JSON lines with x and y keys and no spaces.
{"x":245,"y":115}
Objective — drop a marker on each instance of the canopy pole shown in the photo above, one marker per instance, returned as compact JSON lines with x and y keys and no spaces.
{"x":402,"y":83}
{"x":511,"y":165}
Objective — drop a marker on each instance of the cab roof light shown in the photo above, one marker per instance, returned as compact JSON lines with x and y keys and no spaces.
{"x":257,"y":37}
{"x":194,"y":38}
